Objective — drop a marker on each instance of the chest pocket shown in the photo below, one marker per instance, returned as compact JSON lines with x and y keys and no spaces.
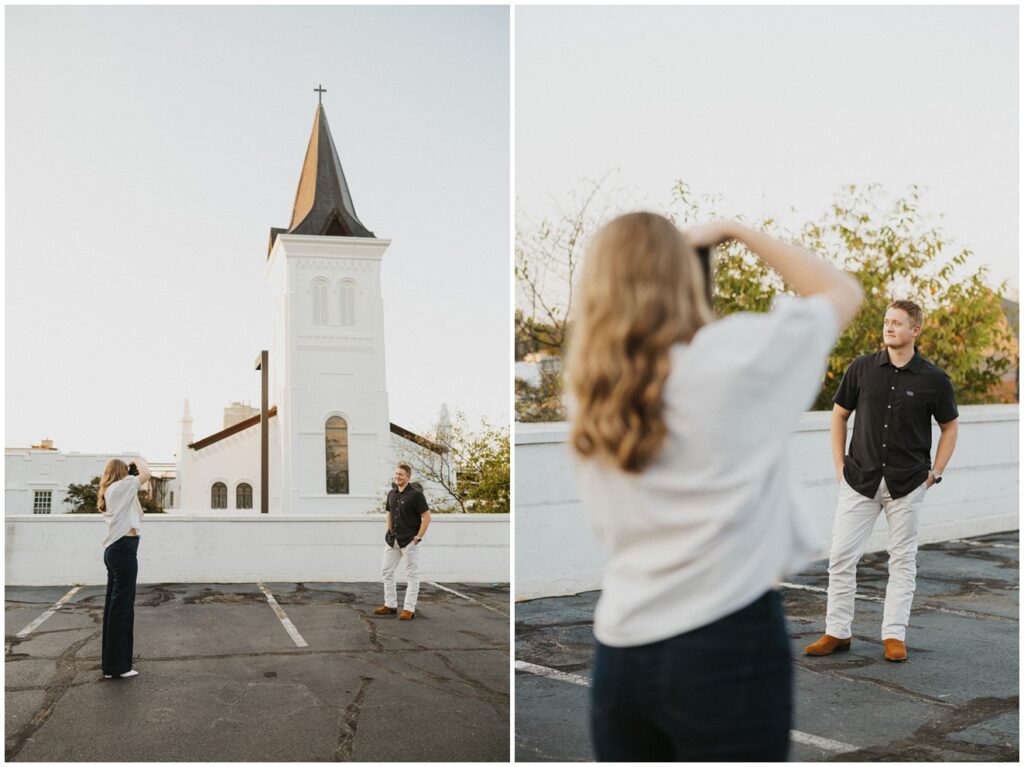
{"x":917,"y":401}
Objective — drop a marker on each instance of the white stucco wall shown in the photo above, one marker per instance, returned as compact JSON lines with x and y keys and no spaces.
{"x":245,"y":546}
{"x":557,"y":554}
{"x":27,"y":470}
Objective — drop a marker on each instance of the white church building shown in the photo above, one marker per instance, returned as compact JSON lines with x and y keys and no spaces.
{"x":332,"y":448}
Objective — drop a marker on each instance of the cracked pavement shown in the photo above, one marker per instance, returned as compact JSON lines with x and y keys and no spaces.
{"x":221,"y":679}
{"x":955,"y":699}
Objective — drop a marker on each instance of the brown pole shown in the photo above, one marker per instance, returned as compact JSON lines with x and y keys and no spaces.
{"x":261,"y":365}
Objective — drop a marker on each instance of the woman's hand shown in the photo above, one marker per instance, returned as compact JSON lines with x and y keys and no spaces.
{"x":710,"y":235}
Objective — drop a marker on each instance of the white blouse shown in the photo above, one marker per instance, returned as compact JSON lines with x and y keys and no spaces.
{"x":717,"y":518}
{"x":123,"y":509}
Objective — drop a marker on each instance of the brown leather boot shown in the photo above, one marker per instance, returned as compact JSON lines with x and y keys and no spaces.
{"x":406,"y":616}
{"x":895,"y":649}
{"x":385,"y":610}
{"x":827,"y":645}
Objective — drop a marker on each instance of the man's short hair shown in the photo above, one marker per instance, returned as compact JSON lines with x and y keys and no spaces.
{"x":404,"y":467}
{"x":913,"y":311}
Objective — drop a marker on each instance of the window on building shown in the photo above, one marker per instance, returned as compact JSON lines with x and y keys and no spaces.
{"x":347,"y":304}
{"x":319,"y":302}
{"x":336,"y":439}
{"x":42,"y":501}
{"x":170,"y":503}
{"x":219,"y":496}
{"x":243,"y":496}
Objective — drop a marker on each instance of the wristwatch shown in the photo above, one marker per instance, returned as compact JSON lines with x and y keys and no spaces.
{"x":418,"y":539}
{"x":936,"y":478}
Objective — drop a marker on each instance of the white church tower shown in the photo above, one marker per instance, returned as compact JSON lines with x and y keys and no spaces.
{"x":332,"y":437}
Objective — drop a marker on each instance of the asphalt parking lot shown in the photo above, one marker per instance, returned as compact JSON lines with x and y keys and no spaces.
{"x":955,"y":699}
{"x":223,"y":678}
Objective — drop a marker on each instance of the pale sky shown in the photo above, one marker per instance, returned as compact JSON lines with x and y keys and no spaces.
{"x":149,"y":150}
{"x":776,"y":107}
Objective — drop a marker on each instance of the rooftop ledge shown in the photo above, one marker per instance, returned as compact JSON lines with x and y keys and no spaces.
{"x":171,"y":517}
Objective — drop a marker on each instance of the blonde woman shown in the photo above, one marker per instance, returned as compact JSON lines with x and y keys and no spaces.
{"x":118,"y":501}
{"x":681,"y":425}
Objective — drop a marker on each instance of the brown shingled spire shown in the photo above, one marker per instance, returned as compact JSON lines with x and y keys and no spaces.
{"x":323,"y":203}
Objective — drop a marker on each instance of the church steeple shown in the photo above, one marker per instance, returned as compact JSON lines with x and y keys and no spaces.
{"x":323,"y":202}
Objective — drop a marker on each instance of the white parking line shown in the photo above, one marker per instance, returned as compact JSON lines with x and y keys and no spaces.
{"x":552,"y":673}
{"x":36,"y":623}
{"x":469,"y":598}
{"x":984,"y":545}
{"x":795,"y":735}
{"x":281,"y":616}
{"x":824,"y":744}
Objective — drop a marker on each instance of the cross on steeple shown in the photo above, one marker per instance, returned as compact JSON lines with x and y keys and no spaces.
{"x":320,"y":91}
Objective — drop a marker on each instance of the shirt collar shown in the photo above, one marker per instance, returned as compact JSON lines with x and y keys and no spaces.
{"x":882,"y":358}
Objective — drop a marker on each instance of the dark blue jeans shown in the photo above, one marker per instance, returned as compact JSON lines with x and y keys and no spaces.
{"x":122,"y":561}
{"x":723,"y":692}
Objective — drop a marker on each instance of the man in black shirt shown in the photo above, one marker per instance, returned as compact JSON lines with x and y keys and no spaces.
{"x":896,"y":393}
{"x":408,"y":517}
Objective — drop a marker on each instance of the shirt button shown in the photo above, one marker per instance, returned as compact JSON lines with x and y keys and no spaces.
{"x":893,"y":388}
{"x":883,"y":464}
{"x":883,"y":444}
{"x":887,"y":426}
{"x":889,"y":407}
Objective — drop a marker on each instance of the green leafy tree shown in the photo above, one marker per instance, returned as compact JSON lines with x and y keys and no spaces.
{"x":82,"y":499}
{"x":895,"y":253}
{"x":471,"y":466}
{"x":892,"y":248}
{"x":484,"y":476}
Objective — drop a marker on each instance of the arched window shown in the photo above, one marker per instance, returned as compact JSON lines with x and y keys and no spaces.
{"x":243,"y":496}
{"x":347,"y":303}
{"x":219,"y":496}
{"x":336,"y":439}
{"x":319,"y":291}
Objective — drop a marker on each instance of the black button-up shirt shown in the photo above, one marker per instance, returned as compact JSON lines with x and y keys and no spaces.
{"x":892,"y":434}
{"x":406,"y":507}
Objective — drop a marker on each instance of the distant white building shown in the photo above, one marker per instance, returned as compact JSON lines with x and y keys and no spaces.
{"x":332,"y":447}
{"x":237,"y":412}
{"x":37,"y":477}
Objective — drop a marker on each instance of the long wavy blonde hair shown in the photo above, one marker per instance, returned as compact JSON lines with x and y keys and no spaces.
{"x":115,"y":470}
{"x":641,"y":291}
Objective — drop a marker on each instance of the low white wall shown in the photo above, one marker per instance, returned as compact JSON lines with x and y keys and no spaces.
{"x":556,"y":552}
{"x":220,"y":548}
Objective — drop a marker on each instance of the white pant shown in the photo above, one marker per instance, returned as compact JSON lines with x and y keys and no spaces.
{"x":855,"y":518}
{"x":392,"y":556}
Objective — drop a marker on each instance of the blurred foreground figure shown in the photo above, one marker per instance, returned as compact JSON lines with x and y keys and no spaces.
{"x":681,"y":426}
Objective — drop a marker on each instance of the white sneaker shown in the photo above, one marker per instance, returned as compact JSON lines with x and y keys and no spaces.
{"x":125,"y":675}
